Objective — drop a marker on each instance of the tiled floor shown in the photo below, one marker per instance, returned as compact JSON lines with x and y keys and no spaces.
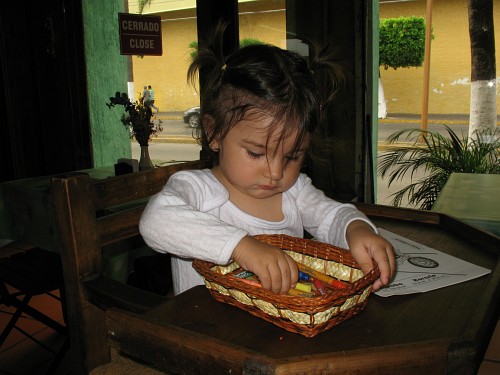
{"x":21,"y":356}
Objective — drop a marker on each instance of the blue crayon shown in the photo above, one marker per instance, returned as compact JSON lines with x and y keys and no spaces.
{"x":304,"y":276}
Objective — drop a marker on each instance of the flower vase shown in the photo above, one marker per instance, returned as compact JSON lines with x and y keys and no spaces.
{"x":145,"y":162}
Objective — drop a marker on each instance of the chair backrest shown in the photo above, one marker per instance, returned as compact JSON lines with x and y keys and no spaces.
{"x":91,"y":214}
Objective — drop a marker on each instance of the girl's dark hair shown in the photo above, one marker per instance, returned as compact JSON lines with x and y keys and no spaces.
{"x":259,"y":80}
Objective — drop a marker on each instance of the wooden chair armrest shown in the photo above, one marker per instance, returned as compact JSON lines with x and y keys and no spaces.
{"x":107,"y":293}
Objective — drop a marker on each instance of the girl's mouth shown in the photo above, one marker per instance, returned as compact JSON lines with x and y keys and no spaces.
{"x":268,"y":187}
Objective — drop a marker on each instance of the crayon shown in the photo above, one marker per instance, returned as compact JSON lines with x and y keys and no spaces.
{"x":247,"y":277}
{"x":303,"y":287}
{"x":322,"y":277}
{"x":315,"y":290}
{"x":321,"y":287}
{"x":304,"y":276}
{"x":299,"y":293}
{"x":243,"y":274}
{"x":252,"y":282}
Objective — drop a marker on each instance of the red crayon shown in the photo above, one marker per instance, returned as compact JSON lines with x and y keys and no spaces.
{"x":322,"y":277}
{"x":251,"y":282}
{"x":321,"y":287}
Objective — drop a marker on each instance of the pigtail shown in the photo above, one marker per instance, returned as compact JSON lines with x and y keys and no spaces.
{"x":209,"y":59}
{"x":330,"y":73}
{"x":331,"y":77}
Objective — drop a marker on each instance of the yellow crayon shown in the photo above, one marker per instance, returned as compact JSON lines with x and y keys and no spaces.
{"x":299,"y":293}
{"x":303,"y":287}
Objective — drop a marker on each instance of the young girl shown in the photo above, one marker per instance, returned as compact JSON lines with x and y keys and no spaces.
{"x":260,"y":106}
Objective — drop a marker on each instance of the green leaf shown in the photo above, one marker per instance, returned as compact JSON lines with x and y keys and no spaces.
{"x":438,"y":156}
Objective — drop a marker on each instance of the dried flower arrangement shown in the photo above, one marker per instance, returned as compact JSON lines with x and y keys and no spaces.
{"x":138,"y":118}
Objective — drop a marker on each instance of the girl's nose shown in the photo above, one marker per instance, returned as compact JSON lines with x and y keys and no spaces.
{"x":275,"y":169}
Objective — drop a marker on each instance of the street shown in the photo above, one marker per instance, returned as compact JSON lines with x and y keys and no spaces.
{"x":385,"y":127}
{"x":165,"y":152}
{"x":175,"y":127}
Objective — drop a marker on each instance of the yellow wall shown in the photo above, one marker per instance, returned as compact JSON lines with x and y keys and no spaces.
{"x":450,"y":66}
{"x":265,"y":20}
{"x":167,"y":73}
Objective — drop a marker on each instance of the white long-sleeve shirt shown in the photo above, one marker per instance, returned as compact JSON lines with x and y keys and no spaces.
{"x":192,"y":217}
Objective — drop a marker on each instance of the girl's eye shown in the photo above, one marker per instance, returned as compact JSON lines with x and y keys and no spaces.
{"x":292,"y":157}
{"x":253,"y":155}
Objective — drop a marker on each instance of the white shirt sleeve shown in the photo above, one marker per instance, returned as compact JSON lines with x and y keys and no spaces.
{"x":177,"y":220}
{"x":323,"y":217}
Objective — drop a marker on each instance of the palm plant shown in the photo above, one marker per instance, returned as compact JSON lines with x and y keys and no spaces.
{"x":439,"y":156}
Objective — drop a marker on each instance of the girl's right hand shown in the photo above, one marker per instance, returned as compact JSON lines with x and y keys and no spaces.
{"x":276,"y":270}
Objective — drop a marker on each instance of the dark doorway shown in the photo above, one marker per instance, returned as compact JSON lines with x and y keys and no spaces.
{"x":344,"y":169}
{"x":43,"y":102}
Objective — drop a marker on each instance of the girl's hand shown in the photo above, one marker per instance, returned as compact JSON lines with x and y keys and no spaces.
{"x":275,"y":269}
{"x":366,"y":246}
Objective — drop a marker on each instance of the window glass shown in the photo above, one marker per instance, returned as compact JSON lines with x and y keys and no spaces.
{"x":262,"y":21}
{"x":166,"y":74}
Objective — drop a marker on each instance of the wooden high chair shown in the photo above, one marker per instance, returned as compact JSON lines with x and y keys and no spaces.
{"x":93,"y":214}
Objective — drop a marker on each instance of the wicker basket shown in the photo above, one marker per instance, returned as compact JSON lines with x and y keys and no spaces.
{"x":307,"y":316}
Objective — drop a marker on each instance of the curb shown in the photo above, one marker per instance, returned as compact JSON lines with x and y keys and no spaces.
{"x":386,"y":146}
{"x":174,"y":139}
{"x":167,"y":117}
{"x":414,"y":121}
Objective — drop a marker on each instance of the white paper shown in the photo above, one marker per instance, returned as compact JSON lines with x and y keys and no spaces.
{"x":421,"y":268}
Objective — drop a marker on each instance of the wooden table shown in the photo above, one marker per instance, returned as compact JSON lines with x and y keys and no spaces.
{"x":27,"y":215}
{"x":473,"y":198}
{"x":445,"y":330}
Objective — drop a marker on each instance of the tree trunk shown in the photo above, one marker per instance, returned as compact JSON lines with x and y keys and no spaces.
{"x":483,"y":70}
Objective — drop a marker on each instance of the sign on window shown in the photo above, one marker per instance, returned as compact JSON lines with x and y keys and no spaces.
{"x":140,"y":35}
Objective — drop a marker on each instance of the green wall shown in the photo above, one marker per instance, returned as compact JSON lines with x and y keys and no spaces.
{"x":106,"y":74}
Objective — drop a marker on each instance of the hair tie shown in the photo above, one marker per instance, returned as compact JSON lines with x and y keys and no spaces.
{"x":224,"y":67}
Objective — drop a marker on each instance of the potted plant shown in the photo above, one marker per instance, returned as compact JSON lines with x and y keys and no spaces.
{"x":138,"y":120}
{"x":439,"y":156}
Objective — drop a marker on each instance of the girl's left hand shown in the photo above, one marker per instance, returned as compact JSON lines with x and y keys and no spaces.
{"x":366,"y":247}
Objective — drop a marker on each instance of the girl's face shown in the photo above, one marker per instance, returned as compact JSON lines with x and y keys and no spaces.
{"x":256,"y":164}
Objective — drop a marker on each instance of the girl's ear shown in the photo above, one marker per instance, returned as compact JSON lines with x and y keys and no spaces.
{"x":208,"y":123}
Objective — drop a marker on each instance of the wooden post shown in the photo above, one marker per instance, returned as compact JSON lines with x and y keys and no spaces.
{"x":427,"y":63}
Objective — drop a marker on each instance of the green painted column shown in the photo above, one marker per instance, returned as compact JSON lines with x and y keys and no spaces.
{"x":106,"y":74}
{"x":375,"y":73}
